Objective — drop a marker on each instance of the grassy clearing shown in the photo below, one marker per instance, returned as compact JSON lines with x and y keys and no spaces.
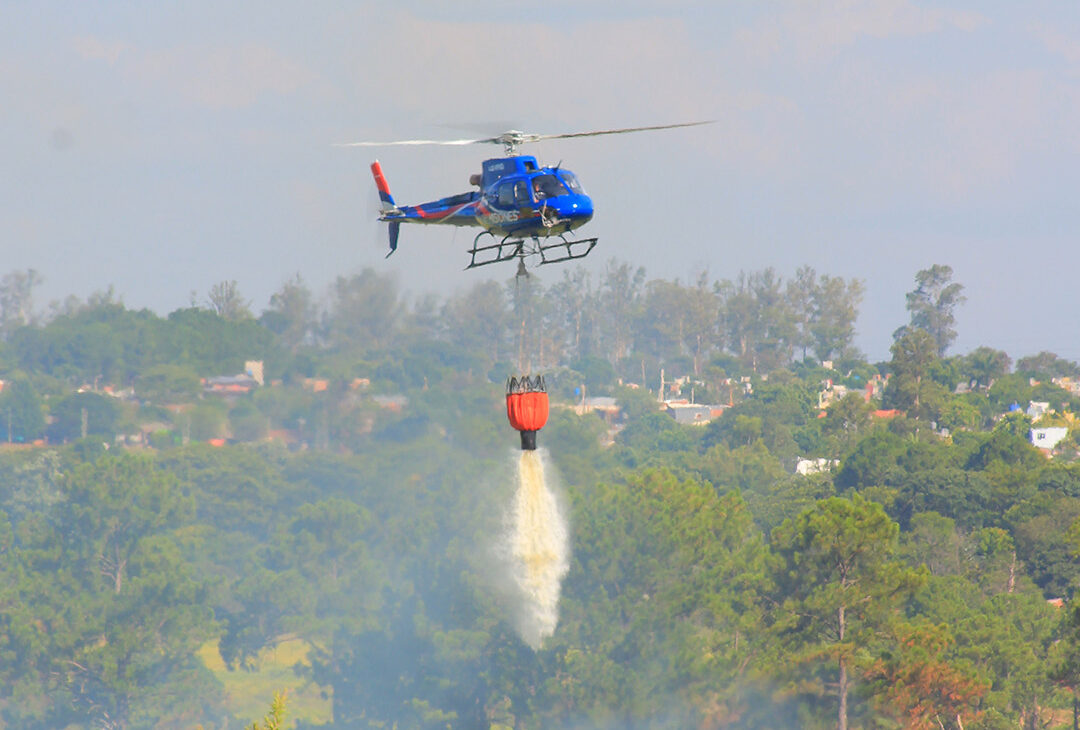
{"x":248,"y":692}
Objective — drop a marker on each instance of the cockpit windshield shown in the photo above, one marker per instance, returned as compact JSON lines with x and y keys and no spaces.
{"x":572,"y":182}
{"x":547,"y":186}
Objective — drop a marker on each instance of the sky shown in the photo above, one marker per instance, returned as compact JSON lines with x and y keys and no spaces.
{"x":160,"y":148}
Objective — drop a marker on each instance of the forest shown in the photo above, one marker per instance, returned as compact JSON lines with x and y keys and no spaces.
{"x":840,"y":544}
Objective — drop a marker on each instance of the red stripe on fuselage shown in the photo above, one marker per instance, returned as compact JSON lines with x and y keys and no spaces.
{"x":421,"y":213}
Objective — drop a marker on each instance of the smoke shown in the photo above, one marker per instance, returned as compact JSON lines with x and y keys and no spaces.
{"x":538,"y":554}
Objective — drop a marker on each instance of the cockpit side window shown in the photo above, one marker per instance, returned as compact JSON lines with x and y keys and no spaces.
{"x":547,"y":186}
{"x":505,"y":195}
{"x":571,"y":182}
{"x":521,"y":193}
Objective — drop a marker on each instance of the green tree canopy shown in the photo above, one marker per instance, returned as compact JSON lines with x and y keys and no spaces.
{"x":933,"y":302}
{"x":838,"y":586}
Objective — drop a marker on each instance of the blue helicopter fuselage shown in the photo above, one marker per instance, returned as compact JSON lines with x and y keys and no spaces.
{"x":517,"y":198}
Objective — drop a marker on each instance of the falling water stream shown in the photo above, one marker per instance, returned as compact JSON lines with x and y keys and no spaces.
{"x":539,"y":550}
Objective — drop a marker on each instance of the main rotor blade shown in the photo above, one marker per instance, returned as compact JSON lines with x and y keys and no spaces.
{"x":597,"y":133}
{"x":416,"y":142}
{"x":512,"y":138}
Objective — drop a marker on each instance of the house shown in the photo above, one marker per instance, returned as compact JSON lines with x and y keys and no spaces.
{"x":875,"y":386}
{"x":815,"y":466}
{"x":229,"y":384}
{"x":605,"y":406}
{"x":1049,"y":437}
{"x":119,"y":393}
{"x":283,"y":436}
{"x":830,"y":393}
{"x":254,"y":368}
{"x":1066,"y":383}
{"x":391,"y":402}
{"x":1038,"y":409}
{"x":689,"y":414}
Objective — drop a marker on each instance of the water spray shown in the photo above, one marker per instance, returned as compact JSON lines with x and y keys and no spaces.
{"x":539,"y":542}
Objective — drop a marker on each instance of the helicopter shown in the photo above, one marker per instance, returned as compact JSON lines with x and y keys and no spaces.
{"x":524,"y":209}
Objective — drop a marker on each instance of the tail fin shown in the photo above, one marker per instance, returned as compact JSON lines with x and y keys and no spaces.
{"x":386,"y":204}
{"x":385,"y":198}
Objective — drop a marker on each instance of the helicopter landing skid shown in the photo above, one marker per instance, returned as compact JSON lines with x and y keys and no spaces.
{"x":510,"y":248}
{"x":566,"y":250}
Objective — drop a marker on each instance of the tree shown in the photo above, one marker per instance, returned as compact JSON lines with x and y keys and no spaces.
{"x":618,"y":301}
{"x":1065,"y":670}
{"x":364,"y":311}
{"x":226,"y":301}
{"x":17,"y":299}
{"x":479,"y":320}
{"x":932,"y":304}
{"x":846,"y":420}
{"x":739,"y":318}
{"x":662,"y":323}
{"x":120,"y":578}
{"x":212,"y":345}
{"x":780,"y":404}
{"x":656,"y":432}
{"x":1042,"y":543}
{"x":84,"y":414}
{"x":983,"y":365}
{"x":919,"y":684}
{"x":800,"y":299}
{"x":291,"y":315}
{"x":757,"y":320}
{"x":246,"y":422}
{"x":112,"y":505}
{"x":836,"y":307}
{"x":21,"y":411}
{"x":206,"y":420}
{"x":670,"y":573}
{"x":702,"y":310}
{"x":1007,"y":638}
{"x":319,"y":570}
{"x":957,"y":414}
{"x":911,"y":387}
{"x":164,"y":384}
{"x":572,"y":313}
{"x":275,"y":718}
{"x":776,"y":327}
{"x":838,"y":584}
{"x":1047,"y":365}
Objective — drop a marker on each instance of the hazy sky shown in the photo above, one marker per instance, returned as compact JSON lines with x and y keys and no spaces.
{"x":163,"y":147}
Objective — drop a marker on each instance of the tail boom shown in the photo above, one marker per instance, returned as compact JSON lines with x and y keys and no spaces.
{"x":457,"y":210}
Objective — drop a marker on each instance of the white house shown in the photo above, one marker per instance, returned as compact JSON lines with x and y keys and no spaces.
{"x":1037,"y":409}
{"x":1049,"y":437}
{"x":814,"y":466}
